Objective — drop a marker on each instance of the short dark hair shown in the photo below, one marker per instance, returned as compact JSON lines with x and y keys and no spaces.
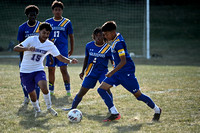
{"x":57,"y":4}
{"x":96,"y":31}
{"x":46,"y":26}
{"x":109,"y":26}
{"x":31,"y":8}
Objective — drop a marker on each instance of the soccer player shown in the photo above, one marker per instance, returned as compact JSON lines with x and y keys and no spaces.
{"x":35,"y":49}
{"x":123,"y":73}
{"x":29,"y":28}
{"x":61,"y":29}
{"x":95,"y":66}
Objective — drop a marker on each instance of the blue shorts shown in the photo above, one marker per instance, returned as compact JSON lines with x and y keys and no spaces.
{"x":30,"y":79}
{"x":55,"y":62}
{"x":127,"y":80}
{"x":90,"y":82}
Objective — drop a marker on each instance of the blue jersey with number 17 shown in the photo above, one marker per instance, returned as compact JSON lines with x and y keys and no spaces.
{"x":59,"y":34}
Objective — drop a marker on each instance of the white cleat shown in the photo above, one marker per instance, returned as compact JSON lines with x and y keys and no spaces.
{"x":26,"y":101}
{"x":52,"y":112}
{"x":39,"y":114}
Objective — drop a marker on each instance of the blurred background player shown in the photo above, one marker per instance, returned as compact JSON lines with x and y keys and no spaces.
{"x":35,"y":49}
{"x":61,"y":29}
{"x":123,"y":73}
{"x":29,"y":28}
{"x":97,"y":56}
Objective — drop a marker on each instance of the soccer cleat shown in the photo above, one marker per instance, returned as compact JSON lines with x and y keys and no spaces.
{"x":67,"y":109}
{"x":112,"y":117}
{"x":26,"y":101}
{"x":68,"y":94}
{"x":156,"y":116}
{"x":52,"y":112}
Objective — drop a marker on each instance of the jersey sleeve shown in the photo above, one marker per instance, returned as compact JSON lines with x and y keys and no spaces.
{"x":20,"y":36}
{"x":70,"y":29}
{"x":119,"y":48}
{"x":27,"y":42}
{"x":54,"y":51}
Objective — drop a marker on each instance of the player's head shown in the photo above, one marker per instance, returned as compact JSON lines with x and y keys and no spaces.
{"x":31,"y":12}
{"x":109,"y":30}
{"x":44,"y":31}
{"x":57,"y":8}
{"x":97,"y":36}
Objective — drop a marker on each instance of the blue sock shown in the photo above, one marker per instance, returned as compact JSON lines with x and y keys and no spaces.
{"x":147,"y":100}
{"x":37,"y":89}
{"x":106,"y":97}
{"x":111,"y":96}
{"x":67,"y":86}
{"x":76,"y":101}
{"x":51,"y":86}
{"x":24,"y":90}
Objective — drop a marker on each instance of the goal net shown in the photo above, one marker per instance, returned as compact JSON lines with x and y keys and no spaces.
{"x":131,"y":17}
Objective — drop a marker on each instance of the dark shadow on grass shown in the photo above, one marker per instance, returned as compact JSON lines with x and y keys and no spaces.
{"x":60,"y":102}
{"x":98,"y":118}
{"x":29,"y":121}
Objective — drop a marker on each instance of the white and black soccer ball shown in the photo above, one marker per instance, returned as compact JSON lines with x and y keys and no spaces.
{"x":74,"y":115}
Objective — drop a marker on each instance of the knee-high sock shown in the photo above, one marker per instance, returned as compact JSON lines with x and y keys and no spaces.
{"x":76,"y":101}
{"x":25,"y":91}
{"x":106,"y":97}
{"x":37,"y":89}
{"x":47,"y":100}
{"x":147,"y":100}
{"x":36,"y":106}
{"x":51,"y":87}
{"x":67,"y":86}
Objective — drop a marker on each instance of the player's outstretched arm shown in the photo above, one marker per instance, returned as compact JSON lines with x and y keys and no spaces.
{"x":84,"y":67}
{"x":20,"y":48}
{"x":66,"y":60}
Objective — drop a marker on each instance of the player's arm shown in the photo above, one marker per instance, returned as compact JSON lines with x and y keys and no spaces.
{"x":66,"y":60}
{"x":71,"y":36}
{"x":84,"y":67}
{"x":21,"y":48}
{"x":21,"y":54}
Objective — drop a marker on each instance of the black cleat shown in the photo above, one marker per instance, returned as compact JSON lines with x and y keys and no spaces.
{"x":156,"y":116}
{"x":112,"y":117}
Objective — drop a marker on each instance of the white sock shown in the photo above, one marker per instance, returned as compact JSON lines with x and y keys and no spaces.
{"x":68,"y":91}
{"x":113,"y":110}
{"x":47,"y":100}
{"x":156,"y":109}
{"x":36,"y":106}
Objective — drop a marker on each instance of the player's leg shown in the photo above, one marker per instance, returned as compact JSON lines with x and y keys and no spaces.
{"x":42,"y":83}
{"x":35,"y":103}
{"x":129,"y":81}
{"x":51,"y":63}
{"x":26,"y":97}
{"x":66,"y":79}
{"x":88,"y":82}
{"x":51,"y":71}
{"x":37,"y":90}
{"x":102,"y":90}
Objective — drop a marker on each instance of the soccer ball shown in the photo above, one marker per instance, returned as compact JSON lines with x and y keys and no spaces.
{"x":75,"y":115}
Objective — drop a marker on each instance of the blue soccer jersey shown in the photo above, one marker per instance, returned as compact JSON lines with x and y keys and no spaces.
{"x":118,"y":49}
{"x":59,"y":34}
{"x":25,"y":30}
{"x":98,"y":57}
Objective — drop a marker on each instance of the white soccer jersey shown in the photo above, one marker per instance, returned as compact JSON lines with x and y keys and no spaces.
{"x":33,"y":61}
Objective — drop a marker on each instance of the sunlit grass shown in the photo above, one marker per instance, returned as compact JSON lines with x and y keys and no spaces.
{"x":174,"y":88}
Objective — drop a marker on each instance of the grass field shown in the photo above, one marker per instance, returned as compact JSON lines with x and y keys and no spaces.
{"x":174,"y":88}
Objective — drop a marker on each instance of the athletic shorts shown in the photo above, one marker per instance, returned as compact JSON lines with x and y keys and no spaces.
{"x":90,"y":82}
{"x":56,"y":62}
{"x":29,"y":80}
{"x":127,"y":80}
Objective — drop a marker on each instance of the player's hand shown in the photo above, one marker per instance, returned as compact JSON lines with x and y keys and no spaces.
{"x":31,"y":49}
{"x":109,"y":74}
{"x":51,"y":60}
{"x":81,"y":75}
{"x":74,"y":61}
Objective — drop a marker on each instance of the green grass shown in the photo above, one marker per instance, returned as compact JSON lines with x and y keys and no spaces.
{"x":174,"y":88}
